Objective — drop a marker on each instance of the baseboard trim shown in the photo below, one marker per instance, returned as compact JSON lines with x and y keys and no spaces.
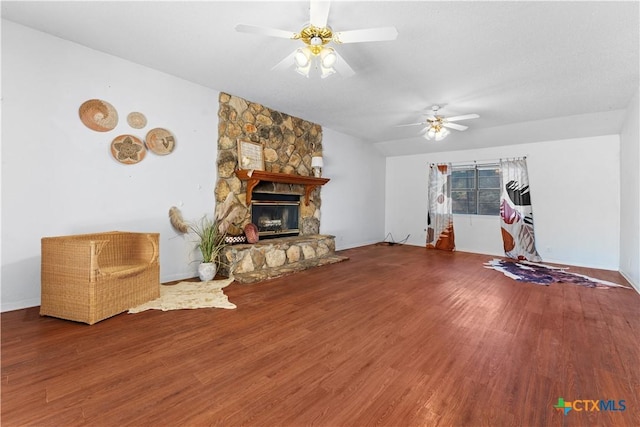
{"x":636,"y":286}
{"x":19,"y":305}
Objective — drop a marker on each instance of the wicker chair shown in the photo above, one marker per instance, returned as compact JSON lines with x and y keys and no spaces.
{"x":90,"y":277}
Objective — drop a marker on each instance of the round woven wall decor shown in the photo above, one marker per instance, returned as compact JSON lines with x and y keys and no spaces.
{"x":160,"y":141}
{"x":128,"y":149}
{"x":98,"y":115}
{"x":136,"y":120}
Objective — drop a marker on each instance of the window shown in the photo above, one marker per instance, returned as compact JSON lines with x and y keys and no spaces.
{"x":475,"y":190}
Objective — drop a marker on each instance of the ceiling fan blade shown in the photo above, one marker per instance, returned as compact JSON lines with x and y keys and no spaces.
{"x":465,"y":117}
{"x":366,"y":35}
{"x":342,"y":67}
{"x":410,"y":124}
{"x":273,"y":32}
{"x":319,"y":13}
{"x":455,"y":126}
{"x":287,"y":62}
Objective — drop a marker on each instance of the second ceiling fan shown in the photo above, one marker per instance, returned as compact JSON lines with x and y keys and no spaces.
{"x":437,"y":125}
{"x":316,"y":36}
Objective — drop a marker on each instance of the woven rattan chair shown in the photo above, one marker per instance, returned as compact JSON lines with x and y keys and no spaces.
{"x":90,"y":277}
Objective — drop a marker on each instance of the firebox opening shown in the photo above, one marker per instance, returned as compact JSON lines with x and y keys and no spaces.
{"x":275,"y":215}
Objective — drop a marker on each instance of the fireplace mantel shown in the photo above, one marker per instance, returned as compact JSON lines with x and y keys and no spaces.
{"x":253,"y":177}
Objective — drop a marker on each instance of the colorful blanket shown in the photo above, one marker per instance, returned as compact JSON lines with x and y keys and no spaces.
{"x":542,"y":274}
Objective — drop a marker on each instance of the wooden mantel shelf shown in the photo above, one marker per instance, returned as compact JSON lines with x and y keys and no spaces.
{"x":253,"y":177}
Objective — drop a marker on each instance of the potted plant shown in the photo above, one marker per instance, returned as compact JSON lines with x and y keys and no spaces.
{"x":211,"y":242}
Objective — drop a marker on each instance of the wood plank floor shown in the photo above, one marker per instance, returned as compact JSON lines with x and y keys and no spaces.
{"x":396,"y":336}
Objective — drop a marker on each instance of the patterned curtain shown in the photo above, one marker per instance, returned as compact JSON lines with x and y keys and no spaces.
{"x":516,"y":212}
{"x":439,"y":218}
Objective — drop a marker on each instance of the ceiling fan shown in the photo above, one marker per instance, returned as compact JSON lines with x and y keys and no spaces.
{"x":316,"y":36}
{"x":437,"y":126}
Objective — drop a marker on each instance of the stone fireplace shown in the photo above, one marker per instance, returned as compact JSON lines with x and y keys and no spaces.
{"x":288,"y":145}
{"x":283,"y":200}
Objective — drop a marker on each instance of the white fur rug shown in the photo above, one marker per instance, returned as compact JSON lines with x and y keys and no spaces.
{"x":189,"y":295}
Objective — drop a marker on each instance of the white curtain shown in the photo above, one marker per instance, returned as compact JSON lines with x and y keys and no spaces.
{"x":516,"y":212}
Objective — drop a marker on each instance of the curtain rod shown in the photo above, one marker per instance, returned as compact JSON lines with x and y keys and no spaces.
{"x":481,"y":162}
{"x":477,"y":163}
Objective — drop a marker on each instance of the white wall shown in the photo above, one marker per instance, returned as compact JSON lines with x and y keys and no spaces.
{"x":630,"y":194}
{"x":353,"y":200}
{"x":58,"y":176}
{"x":575,"y":190}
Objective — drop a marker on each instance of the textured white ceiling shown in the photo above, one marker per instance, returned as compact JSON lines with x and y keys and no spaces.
{"x":574,"y":65}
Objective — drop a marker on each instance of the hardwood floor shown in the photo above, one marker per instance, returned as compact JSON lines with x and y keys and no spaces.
{"x":396,"y":336}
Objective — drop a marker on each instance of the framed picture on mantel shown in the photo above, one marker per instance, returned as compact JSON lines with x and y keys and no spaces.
{"x":250,"y":155}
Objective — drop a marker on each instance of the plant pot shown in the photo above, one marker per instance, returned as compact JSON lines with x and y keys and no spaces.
{"x":207,"y":271}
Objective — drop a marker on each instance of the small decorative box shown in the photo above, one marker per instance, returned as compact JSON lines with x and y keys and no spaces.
{"x":234,"y":240}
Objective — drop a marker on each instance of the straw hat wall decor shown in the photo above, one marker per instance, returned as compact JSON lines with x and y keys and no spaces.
{"x":98,"y":115}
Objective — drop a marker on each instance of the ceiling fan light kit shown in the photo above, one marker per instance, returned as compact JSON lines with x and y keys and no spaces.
{"x":305,"y":57}
{"x":437,"y":132}
{"x":302,"y":59}
{"x":328,"y":57}
{"x":316,"y":35}
{"x":315,"y":51}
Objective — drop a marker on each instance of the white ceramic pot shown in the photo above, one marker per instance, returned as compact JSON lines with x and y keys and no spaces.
{"x":207,"y":271}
